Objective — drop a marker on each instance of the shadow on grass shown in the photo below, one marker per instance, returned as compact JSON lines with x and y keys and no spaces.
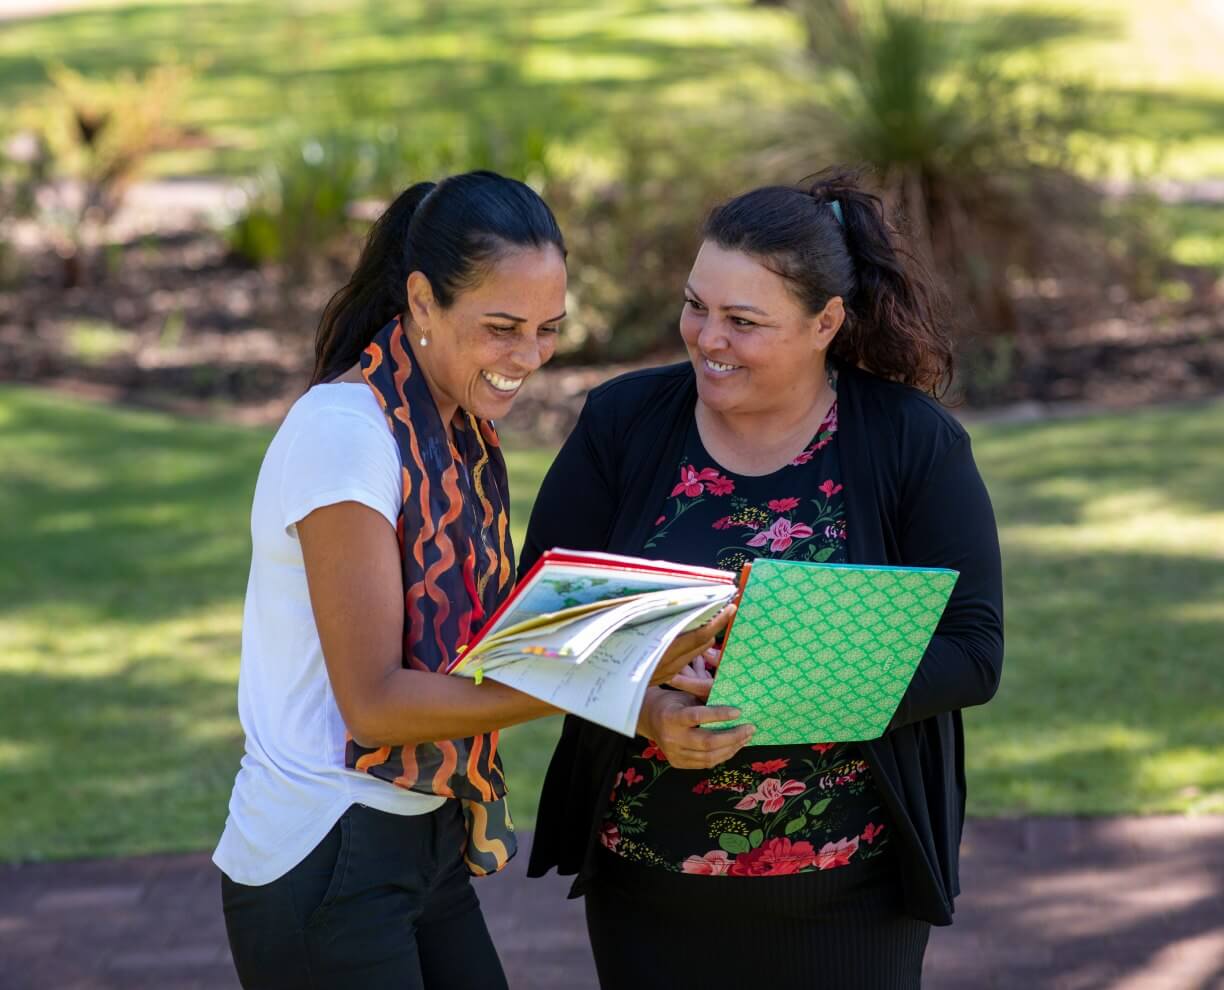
{"x":133,"y":517}
{"x":1051,"y":474}
{"x":1110,"y":700}
{"x":139,"y":760}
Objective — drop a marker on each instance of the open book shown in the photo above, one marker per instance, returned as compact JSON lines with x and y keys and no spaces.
{"x":816,"y":653}
{"x":585,"y":631}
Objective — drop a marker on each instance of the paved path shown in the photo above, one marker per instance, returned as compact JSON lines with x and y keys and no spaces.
{"x":1049,"y":904}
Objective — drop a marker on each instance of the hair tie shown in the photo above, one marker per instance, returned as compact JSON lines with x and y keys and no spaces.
{"x":835,"y":206}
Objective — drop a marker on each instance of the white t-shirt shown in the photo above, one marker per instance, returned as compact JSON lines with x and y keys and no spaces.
{"x":334,"y":446}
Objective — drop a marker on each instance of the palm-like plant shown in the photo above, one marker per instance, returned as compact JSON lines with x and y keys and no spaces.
{"x":973,"y":154}
{"x":100,"y":133}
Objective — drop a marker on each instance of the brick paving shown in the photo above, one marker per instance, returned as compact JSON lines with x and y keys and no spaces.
{"x":1048,"y":904}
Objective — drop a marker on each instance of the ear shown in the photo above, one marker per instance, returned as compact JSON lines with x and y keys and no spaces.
{"x":828,"y":321}
{"x":422,"y":306}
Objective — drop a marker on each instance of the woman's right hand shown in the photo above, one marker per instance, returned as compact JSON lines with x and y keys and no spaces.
{"x":687,"y":646}
{"x":673,"y":720}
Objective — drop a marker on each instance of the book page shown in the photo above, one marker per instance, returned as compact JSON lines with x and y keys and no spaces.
{"x":576,"y":639}
{"x":608,"y":687}
{"x":564,"y":586}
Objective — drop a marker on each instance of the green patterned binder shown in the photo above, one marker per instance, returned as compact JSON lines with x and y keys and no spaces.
{"x":824,"y":652}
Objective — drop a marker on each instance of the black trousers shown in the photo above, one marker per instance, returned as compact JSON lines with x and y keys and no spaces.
{"x":384,"y":901}
{"x":655,"y":930}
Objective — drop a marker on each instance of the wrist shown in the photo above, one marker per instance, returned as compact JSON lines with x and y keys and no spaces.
{"x":645,"y":722}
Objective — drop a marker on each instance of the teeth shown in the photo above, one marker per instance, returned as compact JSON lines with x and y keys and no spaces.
{"x":715,"y":366}
{"x":501,"y":383}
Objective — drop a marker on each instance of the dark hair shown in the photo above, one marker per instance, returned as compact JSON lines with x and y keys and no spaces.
{"x":451,"y":232}
{"x":894,"y":309}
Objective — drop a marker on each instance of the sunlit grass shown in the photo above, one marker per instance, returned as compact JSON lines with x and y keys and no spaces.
{"x":1113,"y":535}
{"x":569,"y":68}
{"x":126,"y":544}
{"x":125,"y":554}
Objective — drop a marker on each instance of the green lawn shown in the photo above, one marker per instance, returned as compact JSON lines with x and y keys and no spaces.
{"x":566,"y":68}
{"x":125,"y":549}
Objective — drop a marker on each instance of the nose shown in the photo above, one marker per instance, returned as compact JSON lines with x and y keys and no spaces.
{"x":529,"y":355}
{"x":713,"y":335}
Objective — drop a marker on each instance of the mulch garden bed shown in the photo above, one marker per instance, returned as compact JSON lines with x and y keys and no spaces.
{"x":175,"y":322}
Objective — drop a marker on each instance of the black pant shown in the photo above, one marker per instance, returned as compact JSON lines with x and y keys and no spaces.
{"x":655,"y":930}
{"x":384,"y":901}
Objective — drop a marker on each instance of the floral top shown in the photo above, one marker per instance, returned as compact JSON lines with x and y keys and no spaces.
{"x":769,"y":810}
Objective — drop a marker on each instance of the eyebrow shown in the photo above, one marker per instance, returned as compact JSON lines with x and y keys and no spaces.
{"x":743,"y":306}
{"x":522,"y":319}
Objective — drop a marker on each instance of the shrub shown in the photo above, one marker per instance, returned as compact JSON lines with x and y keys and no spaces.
{"x":971,"y":151}
{"x":99,"y":135}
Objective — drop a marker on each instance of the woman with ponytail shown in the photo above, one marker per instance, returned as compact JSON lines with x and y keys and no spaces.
{"x":371,"y":789}
{"x":806,"y":426}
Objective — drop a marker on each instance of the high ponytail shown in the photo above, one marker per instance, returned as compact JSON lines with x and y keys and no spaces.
{"x":451,"y":232}
{"x":829,"y":237}
{"x":375,"y":293}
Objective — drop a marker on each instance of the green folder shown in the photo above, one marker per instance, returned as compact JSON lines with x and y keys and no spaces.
{"x":824,"y":652}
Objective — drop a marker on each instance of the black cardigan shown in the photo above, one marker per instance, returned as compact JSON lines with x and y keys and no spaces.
{"x":914,"y":496}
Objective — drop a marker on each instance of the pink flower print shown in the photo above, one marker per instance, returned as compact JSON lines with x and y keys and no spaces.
{"x":823,"y":748}
{"x":770,"y":766}
{"x":771,"y":794}
{"x":830,"y":489}
{"x":609,"y":836}
{"x":632,"y":777}
{"x":777,"y":857}
{"x":781,"y":535}
{"x":871,"y":832}
{"x":715,"y":863}
{"x":652,"y":752}
{"x":783,"y":504}
{"x":720,"y":486}
{"x":692,"y":481}
{"x":702,"y":787}
{"x":837,"y":531}
{"x":834,"y":854}
{"x":659,"y":521}
{"x":723,"y":523}
{"x":806,"y":456}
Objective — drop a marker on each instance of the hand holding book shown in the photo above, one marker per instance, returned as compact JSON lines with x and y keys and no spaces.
{"x":697,"y":677}
{"x":676,"y":725}
{"x":688,"y":650}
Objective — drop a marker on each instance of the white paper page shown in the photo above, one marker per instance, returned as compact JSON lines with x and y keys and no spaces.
{"x":577,"y":639}
{"x":609,"y":686}
{"x":561,"y":586}
{"x":580,"y":638}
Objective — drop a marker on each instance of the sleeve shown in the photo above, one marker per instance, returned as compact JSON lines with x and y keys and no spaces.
{"x":337,"y":455}
{"x":576,"y":504}
{"x":952,"y":525}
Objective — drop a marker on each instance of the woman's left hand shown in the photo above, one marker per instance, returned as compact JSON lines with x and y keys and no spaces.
{"x":697,"y":678}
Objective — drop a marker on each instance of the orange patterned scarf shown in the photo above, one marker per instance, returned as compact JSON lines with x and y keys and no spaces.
{"x":458,"y":563}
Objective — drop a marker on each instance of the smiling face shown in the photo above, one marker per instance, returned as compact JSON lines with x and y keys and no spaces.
{"x":494,"y":334}
{"x":754,"y":346}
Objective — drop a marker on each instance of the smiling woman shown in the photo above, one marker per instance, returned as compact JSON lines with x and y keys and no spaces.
{"x":804,"y":427}
{"x":371,"y":787}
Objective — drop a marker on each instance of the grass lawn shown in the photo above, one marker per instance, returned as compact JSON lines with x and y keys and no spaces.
{"x":565,"y":68}
{"x":125,"y":548}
